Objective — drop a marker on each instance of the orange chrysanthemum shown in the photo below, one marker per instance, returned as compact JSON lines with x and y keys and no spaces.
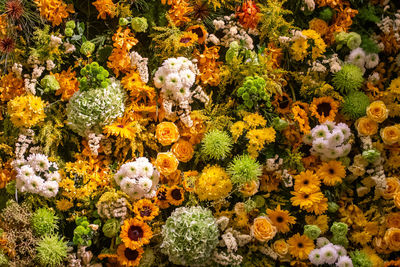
{"x":10,"y":87}
{"x":135,"y":233}
{"x":119,"y":61}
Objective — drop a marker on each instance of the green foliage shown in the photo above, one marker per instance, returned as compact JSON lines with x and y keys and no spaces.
{"x":355,"y":105}
{"x":349,"y":78}
{"x":51,"y":251}
{"x":368,"y":13}
{"x":216,"y":145}
{"x":369,"y":45}
{"x":190,"y":236}
{"x":111,"y":227}
{"x":3,"y":259}
{"x":253,"y":93}
{"x":360,"y":259}
{"x":326,"y":14}
{"x":244,"y":169}
{"x":44,"y":221}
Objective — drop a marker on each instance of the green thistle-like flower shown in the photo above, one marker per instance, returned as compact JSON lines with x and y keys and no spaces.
{"x":312,"y":231}
{"x":51,"y":251}
{"x":44,"y":221}
{"x":244,"y":169}
{"x":216,"y":145}
{"x":349,"y":78}
{"x":190,"y":236}
{"x":360,"y":259}
{"x":355,"y":105}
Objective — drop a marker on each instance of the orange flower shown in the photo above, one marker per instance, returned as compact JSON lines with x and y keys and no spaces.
{"x":365,"y":126}
{"x":391,"y":134}
{"x":179,"y":11}
{"x":281,"y":219}
{"x":105,"y":7}
{"x":208,"y":65}
{"x":195,"y":133}
{"x":262,"y":229}
{"x":54,"y":10}
{"x":281,"y":247}
{"x":167,"y":133}
{"x":145,"y":209}
{"x":200,"y":31}
{"x":135,"y":233}
{"x":324,"y":108}
{"x":183,"y":150}
{"x":392,"y":187}
{"x":175,"y":195}
{"x":119,"y":61}
{"x":377,"y":111}
{"x":129,"y":257}
{"x":10,"y":87}
{"x":319,"y":25}
{"x":396,"y":199}
{"x":166,"y":163}
{"x":69,"y":84}
{"x":248,"y":14}
{"x":161,"y":197}
{"x":188,"y":39}
{"x":393,"y":220}
{"x":301,"y":117}
{"x":124,"y":39}
{"x":250,"y":189}
{"x":392,"y":238}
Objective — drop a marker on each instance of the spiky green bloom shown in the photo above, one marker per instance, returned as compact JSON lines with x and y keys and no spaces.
{"x":360,"y":259}
{"x":216,"y":145}
{"x":326,"y":14}
{"x":190,"y":236}
{"x":349,"y":78}
{"x":44,"y":221}
{"x":244,"y":169}
{"x":90,"y":111}
{"x":49,"y":83}
{"x":339,"y":228}
{"x":111,"y":227}
{"x":51,"y":251}
{"x":139,"y":24}
{"x":312,"y":231}
{"x":355,"y":105}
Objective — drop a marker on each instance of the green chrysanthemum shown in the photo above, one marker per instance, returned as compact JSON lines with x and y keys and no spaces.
{"x":355,"y":105}
{"x":44,"y":221}
{"x":216,"y":145}
{"x":360,"y":259}
{"x":190,"y":236}
{"x":51,"y":251}
{"x":349,"y":78}
{"x":244,"y":169}
{"x":312,"y":231}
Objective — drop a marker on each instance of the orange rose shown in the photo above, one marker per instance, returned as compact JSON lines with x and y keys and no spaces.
{"x":280,"y":247}
{"x":377,"y":111}
{"x":183,"y":150}
{"x":392,"y":238}
{"x":396,"y":199}
{"x":166,"y":163}
{"x":249,"y":189}
{"x":366,"y":126}
{"x":393,"y":220}
{"x":390,"y":135}
{"x":262,"y":229}
{"x":392,"y":187}
{"x":167,"y":133}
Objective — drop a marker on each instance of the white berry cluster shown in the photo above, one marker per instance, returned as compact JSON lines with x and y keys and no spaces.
{"x":37,"y":175}
{"x":138,"y":178}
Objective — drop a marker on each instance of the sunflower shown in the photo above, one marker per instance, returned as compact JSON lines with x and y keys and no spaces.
{"x":175,"y":195}
{"x":324,"y":108}
{"x":306,"y":182}
{"x":123,"y":128}
{"x":306,"y":200}
{"x":281,"y":219}
{"x":200,"y":31}
{"x":161,"y":197}
{"x":129,"y":257}
{"x":332,"y":172}
{"x":282,"y":103}
{"x":300,"y":246}
{"x":135,"y":233}
{"x":188,"y":39}
{"x":145,"y":210}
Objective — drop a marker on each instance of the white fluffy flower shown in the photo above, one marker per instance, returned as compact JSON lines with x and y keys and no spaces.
{"x":25,"y":171}
{"x":187,"y":78}
{"x":322,"y":241}
{"x":127,"y":184}
{"x":357,"y":57}
{"x":119,"y":176}
{"x":371,"y":61}
{"x":320,"y":145}
{"x":336,"y":138}
{"x":172,"y":64}
{"x":145,"y":184}
{"x":340,"y":250}
{"x":344,"y":261}
{"x":320,"y":131}
{"x":50,"y":189}
{"x":39,"y":162}
{"x":329,"y":254}
{"x":34,"y":184}
{"x":160,"y":77}
{"x":315,"y":257}
{"x":130,"y":169}
{"x":173,"y":81}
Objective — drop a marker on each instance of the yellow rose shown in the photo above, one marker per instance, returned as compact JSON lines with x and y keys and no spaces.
{"x":392,"y":238}
{"x":377,"y":111}
{"x":183,"y":150}
{"x":366,"y":126}
{"x":392,"y":187}
{"x":167,"y":133}
{"x":396,"y":199}
{"x":318,"y":25}
{"x":166,"y":163}
{"x":390,"y":135}
{"x":280,"y":247}
{"x":262,"y":229}
{"x":393,"y":220}
{"x":249,"y":189}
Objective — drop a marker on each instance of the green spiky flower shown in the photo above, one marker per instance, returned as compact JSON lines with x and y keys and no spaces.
{"x":349,"y":78}
{"x":244,"y":169}
{"x":216,"y":145}
{"x":51,"y":251}
{"x":44,"y":221}
{"x":355,"y":105}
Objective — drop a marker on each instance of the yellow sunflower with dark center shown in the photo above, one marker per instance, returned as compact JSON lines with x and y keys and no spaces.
{"x":300,"y":246}
{"x":282,"y":103}
{"x":175,"y":195}
{"x":188,"y":39}
{"x":332,"y":172}
{"x":306,"y":182}
{"x":161,"y":197}
{"x":145,"y":210}
{"x":281,"y":219}
{"x":306,"y":200}
{"x":129,"y":257}
{"x":200,"y":31}
{"x":324,"y":108}
{"x":135,"y":233}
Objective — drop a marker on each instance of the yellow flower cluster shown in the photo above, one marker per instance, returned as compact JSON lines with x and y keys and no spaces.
{"x":299,"y":48}
{"x":213,"y":184}
{"x":26,"y":111}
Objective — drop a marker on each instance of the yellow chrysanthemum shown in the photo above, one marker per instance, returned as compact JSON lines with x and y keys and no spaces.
{"x":64,"y":204}
{"x":254,"y":120}
{"x":395,"y":86}
{"x":237,"y":129}
{"x":213,"y":184}
{"x":299,"y":49}
{"x":26,"y":111}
